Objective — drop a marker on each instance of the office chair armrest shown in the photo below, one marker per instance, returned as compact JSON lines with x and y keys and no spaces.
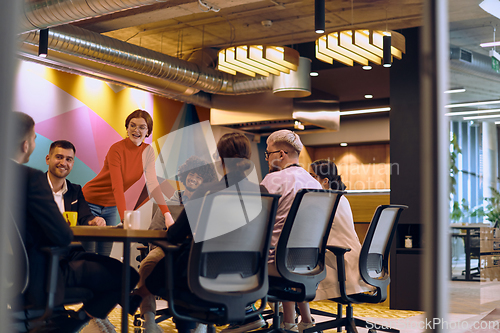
{"x":166,"y":246}
{"x":339,"y":252}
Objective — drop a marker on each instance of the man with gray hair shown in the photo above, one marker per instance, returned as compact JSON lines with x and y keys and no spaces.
{"x":286,"y":177}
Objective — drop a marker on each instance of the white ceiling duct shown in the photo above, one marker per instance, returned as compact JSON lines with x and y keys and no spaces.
{"x":326,"y":119}
{"x":75,"y":41}
{"x":49,"y":13}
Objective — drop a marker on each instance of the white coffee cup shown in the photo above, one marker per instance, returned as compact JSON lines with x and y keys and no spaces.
{"x":132,"y":219}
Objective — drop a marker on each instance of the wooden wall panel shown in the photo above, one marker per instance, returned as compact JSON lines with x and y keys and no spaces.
{"x":363,"y":205}
{"x":364,"y":167}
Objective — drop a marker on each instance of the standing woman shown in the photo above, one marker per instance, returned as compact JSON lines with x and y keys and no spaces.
{"x":341,"y":234}
{"x":126,"y":162}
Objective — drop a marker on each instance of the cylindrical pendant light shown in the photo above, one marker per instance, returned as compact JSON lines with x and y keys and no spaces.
{"x":43,"y":43}
{"x":296,"y":84}
{"x":387,"y":51}
{"x":319,"y":16}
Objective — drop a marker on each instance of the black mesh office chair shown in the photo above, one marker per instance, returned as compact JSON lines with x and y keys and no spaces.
{"x":300,"y":252}
{"x":33,"y":319}
{"x":226,"y":272}
{"x":373,"y":267}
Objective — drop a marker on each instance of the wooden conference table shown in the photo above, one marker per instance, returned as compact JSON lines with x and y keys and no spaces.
{"x":125,"y":236}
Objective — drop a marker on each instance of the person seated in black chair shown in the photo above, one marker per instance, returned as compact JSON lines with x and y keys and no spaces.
{"x":233,"y":160}
{"x":342,"y":234}
{"x":194,"y":172}
{"x":286,"y":177}
{"x":42,"y":224}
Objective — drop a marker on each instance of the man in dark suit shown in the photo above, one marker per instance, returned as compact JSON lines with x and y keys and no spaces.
{"x":42,"y":224}
{"x":68,"y":196}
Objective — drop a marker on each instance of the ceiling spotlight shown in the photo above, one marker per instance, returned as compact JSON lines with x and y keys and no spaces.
{"x":368,"y":96}
{"x":298,"y":125}
{"x":367,"y":68}
{"x":314,"y":74}
{"x":387,"y":51}
{"x":43,"y":43}
{"x":343,"y":144}
{"x":319,"y":16}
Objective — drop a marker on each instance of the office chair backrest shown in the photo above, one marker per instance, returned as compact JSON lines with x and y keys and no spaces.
{"x":374,"y":256}
{"x":231,"y":268}
{"x":301,"y":247}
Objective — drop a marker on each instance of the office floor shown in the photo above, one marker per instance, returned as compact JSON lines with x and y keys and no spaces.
{"x":470,"y":303}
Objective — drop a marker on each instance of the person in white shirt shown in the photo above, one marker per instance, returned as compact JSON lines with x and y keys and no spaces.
{"x":68,"y":196}
{"x":287,"y":177}
{"x":342,"y":234}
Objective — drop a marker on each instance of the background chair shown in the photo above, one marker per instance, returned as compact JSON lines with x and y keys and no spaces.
{"x":33,"y":319}
{"x":227,"y":272}
{"x":373,"y":267}
{"x":300,"y":252}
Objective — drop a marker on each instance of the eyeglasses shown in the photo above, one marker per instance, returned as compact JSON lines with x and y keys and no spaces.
{"x":141,"y":127}
{"x":267,"y":153}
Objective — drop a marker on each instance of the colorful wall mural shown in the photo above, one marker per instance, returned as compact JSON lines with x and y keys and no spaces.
{"x":91,"y":114}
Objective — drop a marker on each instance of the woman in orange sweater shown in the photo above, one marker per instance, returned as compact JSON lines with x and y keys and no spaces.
{"x":126,"y":162}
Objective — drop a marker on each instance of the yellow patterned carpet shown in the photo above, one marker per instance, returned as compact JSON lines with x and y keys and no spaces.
{"x":360,"y":310}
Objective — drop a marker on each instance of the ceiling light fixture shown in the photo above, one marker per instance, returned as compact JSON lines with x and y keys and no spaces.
{"x":483,"y":117}
{"x":43,"y":43}
{"x":368,"y":96}
{"x":343,"y":144}
{"x":258,"y":59}
{"x":491,"y":6}
{"x":348,"y":113}
{"x":314,"y":74}
{"x":319,"y":16}
{"x":298,"y":125}
{"x":361,"y":46}
{"x":367,"y":68}
{"x":462,"y":113}
{"x":387,"y":51}
{"x":459,"y":105}
{"x":490,"y":44}
{"x":455,"y":91}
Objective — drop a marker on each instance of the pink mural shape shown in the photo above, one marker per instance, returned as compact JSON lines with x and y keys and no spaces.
{"x":90,"y":134}
{"x":73,"y":126}
{"x":104,"y":137}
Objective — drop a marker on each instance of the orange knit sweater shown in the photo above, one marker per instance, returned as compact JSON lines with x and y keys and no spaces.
{"x":125,"y":164}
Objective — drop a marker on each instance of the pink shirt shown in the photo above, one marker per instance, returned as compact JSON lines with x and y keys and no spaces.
{"x":286,"y":182}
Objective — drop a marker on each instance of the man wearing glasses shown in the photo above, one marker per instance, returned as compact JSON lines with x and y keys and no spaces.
{"x":286,"y":177}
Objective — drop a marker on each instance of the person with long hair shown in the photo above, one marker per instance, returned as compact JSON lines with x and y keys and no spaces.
{"x":232,"y":160}
{"x":342,"y":234}
{"x":126,"y":162}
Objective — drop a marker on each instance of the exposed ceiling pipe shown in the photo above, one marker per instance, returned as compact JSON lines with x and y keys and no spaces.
{"x":89,"y":45}
{"x":472,"y":63}
{"x":51,"y":13}
{"x":80,"y":66}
